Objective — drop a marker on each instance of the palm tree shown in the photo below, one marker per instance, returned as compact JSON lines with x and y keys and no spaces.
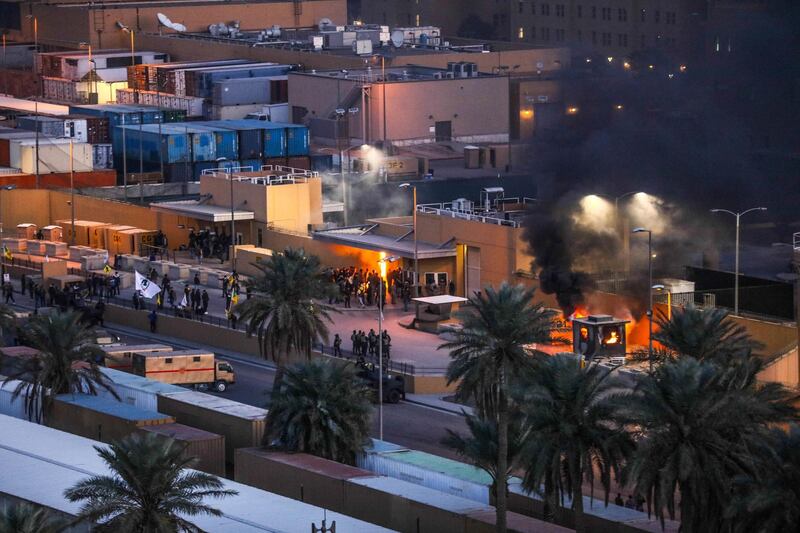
{"x":150,"y":489}
{"x":697,"y":434}
{"x":570,"y":429}
{"x":66,"y":362}
{"x":286,"y":310}
{"x":321,"y":408}
{"x":703,"y":333}
{"x":769,"y":500}
{"x":27,"y":518}
{"x":480,"y":446}
{"x":488,"y":352}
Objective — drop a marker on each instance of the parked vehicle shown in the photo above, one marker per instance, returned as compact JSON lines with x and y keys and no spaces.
{"x":195,"y":368}
{"x":394,"y":387}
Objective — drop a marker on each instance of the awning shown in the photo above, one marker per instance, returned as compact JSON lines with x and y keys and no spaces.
{"x":196,"y":210}
{"x":440,"y":300}
{"x":360,"y":237}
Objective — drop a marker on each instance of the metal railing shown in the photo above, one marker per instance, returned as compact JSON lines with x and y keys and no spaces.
{"x":439,"y":209}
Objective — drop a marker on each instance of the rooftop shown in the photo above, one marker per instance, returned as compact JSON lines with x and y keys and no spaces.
{"x":364,"y":236}
{"x":402,"y":74}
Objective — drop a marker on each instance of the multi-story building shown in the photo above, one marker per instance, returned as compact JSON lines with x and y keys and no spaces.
{"x":615,"y":28}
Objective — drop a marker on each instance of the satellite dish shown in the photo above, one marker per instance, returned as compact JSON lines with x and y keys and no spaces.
{"x":324,"y":22}
{"x":164,"y":21}
{"x":398,"y":38}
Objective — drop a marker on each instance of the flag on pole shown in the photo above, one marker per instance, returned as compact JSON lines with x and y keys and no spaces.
{"x":184,"y":301}
{"x":7,"y":253}
{"x":234,"y":296}
{"x":107,"y":269}
{"x":147,"y":287}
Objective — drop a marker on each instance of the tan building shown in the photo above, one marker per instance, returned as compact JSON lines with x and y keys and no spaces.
{"x":66,"y":23}
{"x":403,"y":105}
{"x":284,"y":199}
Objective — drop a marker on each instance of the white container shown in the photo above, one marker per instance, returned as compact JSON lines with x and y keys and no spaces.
{"x":75,"y":128}
{"x":93,"y":262}
{"x":178,"y":271}
{"x":10,"y":406}
{"x":136,"y":390}
{"x":53,"y":155}
{"x":55,"y":249}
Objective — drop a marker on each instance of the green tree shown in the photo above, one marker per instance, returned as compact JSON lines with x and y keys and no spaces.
{"x":489,"y":352}
{"x":768,"y":500}
{"x":704,"y":334}
{"x":286,"y":309}
{"x":321,"y":408}
{"x":571,"y":430}
{"x":8,"y":321}
{"x":66,"y":362}
{"x":697,"y":433}
{"x":479,"y":447}
{"x":27,"y":518}
{"x":150,"y":489}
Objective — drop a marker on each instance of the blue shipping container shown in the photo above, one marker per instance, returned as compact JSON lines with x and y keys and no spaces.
{"x":204,"y":144}
{"x":250,"y":132}
{"x":254,"y":164}
{"x":297,"y":140}
{"x":227,"y":141}
{"x":173,"y":145}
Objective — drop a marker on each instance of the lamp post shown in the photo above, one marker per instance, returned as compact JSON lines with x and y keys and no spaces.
{"x":381,"y":291}
{"x":233,"y":223}
{"x":736,"y":261}
{"x":416,"y":249}
{"x":650,"y":293}
{"x":2,"y":225}
{"x":72,"y":189}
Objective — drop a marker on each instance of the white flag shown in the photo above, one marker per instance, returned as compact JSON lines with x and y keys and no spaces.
{"x":147,"y":287}
{"x":184,"y":302}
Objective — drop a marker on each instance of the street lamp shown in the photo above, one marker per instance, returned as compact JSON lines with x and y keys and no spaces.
{"x":3,"y":259}
{"x":233,"y":223}
{"x":381,"y":290}
{"x":650,"y":292}
{"x":736,"y":266}
{"x":416,"y":249}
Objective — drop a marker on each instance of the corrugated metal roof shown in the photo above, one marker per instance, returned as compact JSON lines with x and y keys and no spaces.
{"x":139,"y":383}
{"x":110,"y":407}
{"x":434,"y":463}
{"x":39,"y":463}
{"x":420,"y":494}
{"x":382,"y":446}
{"x":215,"y":403}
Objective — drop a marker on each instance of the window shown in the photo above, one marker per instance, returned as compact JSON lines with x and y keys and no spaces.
{"x":196,"y":359}
{"x":606,"y":13}
{"x":580,"y":11}
{"x":533,"y":33}
{"x":594,"y":12}
{"x":560,"y":10}
{"x":119,"y":62}
{"x":606,"y":38}
{"x":643,"y":15}
{"x":533,"y":8}
{"x":580,"y":40}
{"x":560,"y":35}
{"x":594,"y":37}
{"x":168,"y":360}
{"x":521,"y":33}
{"x":670,"y":17}
{"x":643,"y":43}
{"x":416,"y":19}
{"x":657,"y":16}
{"x":545,"y":10}
{"x":545,"y":34}
{"x":622,"y":14}
{"x":622,"y":39}
{"x":521,"y":7}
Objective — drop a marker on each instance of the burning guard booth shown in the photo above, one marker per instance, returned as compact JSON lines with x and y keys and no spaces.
{"x":599,"y":336}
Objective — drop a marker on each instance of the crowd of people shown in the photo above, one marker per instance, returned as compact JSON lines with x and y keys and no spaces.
{"x":208,"y":244}
{"x":366,"y":285}
{"x":72,"y":296}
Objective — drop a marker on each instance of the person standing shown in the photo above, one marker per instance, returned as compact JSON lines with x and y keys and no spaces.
{"x":337,"y":346}
{"x":204,"y":299}
{"x":354,"y":338}
{"x":153,"y":319}
{"x":9,"y":292}
{"x":372,"y":340}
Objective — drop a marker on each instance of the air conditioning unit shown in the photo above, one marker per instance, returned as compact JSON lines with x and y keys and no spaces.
{"x":437,"y":75}
{"x":450,"y":75}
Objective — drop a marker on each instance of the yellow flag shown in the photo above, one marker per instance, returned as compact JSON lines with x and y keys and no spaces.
{"x":7,"y":253}
{"x":107,"y":269}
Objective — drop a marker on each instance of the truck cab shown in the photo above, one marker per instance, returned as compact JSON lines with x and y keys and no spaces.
{"x":224,"y":376}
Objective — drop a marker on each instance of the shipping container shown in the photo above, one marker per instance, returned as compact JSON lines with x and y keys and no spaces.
{"x":200,"y":81}
{"x":301,"y":162}
{"x":172,"y":144}
{"x":208,"y":448}
{"x":250,"y":137}
{"x":9,"y":405}
{"x":253,"y":164}
{"x":100,"y":418}
{"x":136,"y":390}
{"x":297,"y":140}
{"x":242,"y":425}
{"x":432,"y":471}
{"x":53,"y":155}
{"x":120,"y":357}
{"x":87,"y":232}
{"x":227,"y":141}
{"x":241,"y":91}
{"x":50,"y":126}
{"x":102,"y":156}
{"x":178,"y":172}
{"x":296,"y":475}
{"x":40,"y":463}
{"x":321,"y":162}
{"x":200,"y":166}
